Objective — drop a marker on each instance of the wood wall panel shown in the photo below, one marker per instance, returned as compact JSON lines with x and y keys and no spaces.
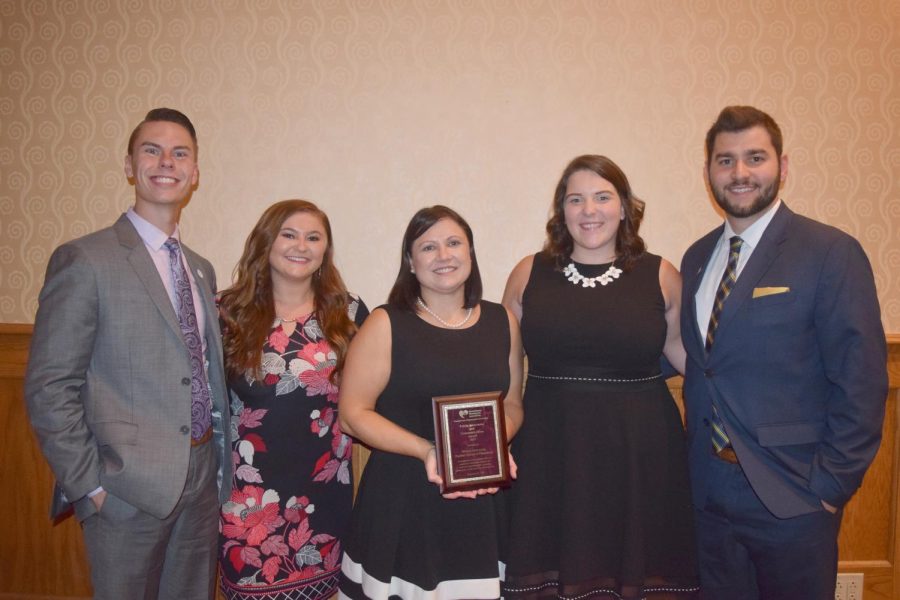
{"x":42,"y":561}
{"x":870,"y":531}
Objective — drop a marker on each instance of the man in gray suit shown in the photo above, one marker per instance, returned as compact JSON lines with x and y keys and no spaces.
{"x":125,"y":386}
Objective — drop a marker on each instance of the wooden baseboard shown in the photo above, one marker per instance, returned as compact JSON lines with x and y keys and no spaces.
{"x":33,"y":597}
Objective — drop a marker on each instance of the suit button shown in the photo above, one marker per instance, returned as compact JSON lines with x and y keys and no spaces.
{"x":708,"y":373}
{"x":706,"y":422}
{"x":185,"y":429}
{"x":185,"y":381}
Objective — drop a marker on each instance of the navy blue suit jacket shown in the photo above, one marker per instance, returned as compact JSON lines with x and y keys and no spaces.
{"x":798,"y":368}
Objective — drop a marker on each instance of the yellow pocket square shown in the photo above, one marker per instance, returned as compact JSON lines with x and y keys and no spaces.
{"x":769,"y":291}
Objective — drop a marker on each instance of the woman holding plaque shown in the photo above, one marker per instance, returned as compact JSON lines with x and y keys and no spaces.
{"x":602,"y":504}
{"x":288,"y":320}
{"x":435,"y":337}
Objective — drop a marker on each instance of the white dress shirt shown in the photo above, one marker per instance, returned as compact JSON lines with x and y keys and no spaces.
{"x":709,"y":285}
{"x":154,"y":240}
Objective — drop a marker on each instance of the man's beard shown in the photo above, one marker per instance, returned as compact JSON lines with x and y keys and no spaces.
{"x":764,"y":200}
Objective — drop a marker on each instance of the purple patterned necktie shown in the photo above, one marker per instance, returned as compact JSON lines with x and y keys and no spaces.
{"x":201,"y":419}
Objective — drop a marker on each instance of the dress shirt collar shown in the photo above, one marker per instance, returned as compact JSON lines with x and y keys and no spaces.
{"x":150,"y":233}
{"x":754,"y":233}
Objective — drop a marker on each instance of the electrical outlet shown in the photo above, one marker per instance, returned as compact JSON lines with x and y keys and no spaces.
{"x":854,"y":586}
{"x":849,"y":586}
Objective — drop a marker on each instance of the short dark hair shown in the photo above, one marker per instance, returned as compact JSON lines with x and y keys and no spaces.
{"x":163,"y":114}
{"x":738,"y":118}
{"x":629,"y":245}
{"x":406,"y":288}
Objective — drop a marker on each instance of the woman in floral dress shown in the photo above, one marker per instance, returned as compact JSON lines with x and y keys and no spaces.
{"x":287,"y":322}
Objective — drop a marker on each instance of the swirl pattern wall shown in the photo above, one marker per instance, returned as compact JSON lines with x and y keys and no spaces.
{"x":373,"y":108}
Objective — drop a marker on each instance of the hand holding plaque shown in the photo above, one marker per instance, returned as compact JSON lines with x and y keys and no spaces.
{"x":470,"y":441}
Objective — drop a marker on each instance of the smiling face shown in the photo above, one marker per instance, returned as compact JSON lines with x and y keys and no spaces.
{"x":441,"y":258}
{"x":163,"y":165}
{"x":745,"y":174}
{"x":593,"y":210}
{"x":298,"y":249}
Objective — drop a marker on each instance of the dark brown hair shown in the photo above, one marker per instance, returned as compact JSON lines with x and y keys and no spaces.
{"x":247,"y":308}
{"x":629,"y":245}
{"x":406,"y":287}
{"x":164,"y":114}
{"x":738,"y":118}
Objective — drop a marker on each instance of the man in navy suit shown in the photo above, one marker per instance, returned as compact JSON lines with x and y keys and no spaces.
{"x":786,"y":379}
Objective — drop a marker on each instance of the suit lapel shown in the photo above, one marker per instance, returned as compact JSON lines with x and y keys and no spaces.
{"x":705,"y":248}
{"x":145,"y":269}
{"x":763,"y":256}
{"x":205,"y":280}
{"x":207,"y":298}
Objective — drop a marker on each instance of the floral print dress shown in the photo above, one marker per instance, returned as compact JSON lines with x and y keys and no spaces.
{"x":281,"y":529}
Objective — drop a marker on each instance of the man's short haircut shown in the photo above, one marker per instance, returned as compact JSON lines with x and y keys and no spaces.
{"x":738,"y":118}
{"x":164,"y":114}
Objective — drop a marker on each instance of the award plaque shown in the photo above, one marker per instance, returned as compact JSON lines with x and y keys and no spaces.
{"x":470,"y":441}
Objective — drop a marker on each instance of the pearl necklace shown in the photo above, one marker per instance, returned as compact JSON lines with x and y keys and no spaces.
{"x":572,"y":274}
{"x":440,"y":320}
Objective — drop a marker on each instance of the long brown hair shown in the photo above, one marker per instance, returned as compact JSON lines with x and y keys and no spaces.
{"x":629,"y":245}
{"x":247,"y":308}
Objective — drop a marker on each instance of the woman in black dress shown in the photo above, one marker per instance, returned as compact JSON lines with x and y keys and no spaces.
{"x":434,"y":337}
{"x":602,"y":507}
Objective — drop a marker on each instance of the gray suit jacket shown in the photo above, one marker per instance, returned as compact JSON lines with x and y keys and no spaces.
{"x":108,"y":380}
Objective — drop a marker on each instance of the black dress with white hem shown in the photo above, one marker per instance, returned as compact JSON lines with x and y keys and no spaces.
{"x":601,"y":507}
{"x":406,"y":540}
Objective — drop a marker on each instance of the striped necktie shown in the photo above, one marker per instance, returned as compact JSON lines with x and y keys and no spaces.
{"x":719,"y":436}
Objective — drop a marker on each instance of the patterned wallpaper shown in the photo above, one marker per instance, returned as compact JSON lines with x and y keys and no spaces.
{"x":374,"y":108}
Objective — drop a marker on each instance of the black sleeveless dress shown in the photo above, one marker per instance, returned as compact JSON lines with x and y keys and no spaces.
{"x":601,"y":507}
{"x":406,"y":540}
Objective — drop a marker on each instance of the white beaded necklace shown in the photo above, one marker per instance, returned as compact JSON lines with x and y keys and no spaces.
{"x":440,"y":320}
{"x":572,"y":274}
